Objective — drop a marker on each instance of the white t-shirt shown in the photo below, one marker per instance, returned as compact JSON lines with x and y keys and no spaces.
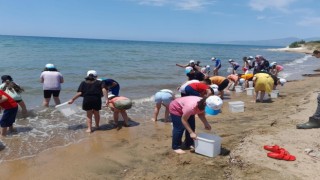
{"x":51,"y":80}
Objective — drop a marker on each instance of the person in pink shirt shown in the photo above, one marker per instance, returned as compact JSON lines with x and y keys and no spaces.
{"x":182,"y":111}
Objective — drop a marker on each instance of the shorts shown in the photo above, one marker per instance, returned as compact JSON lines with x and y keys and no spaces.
{"x":223,"y":85}
{"x":163,"y":97}
{"x":91,"y":103}
{"x":191,"y":92}
{"x":8,"y":117}
{"x":236,"y":67}
{"x":218,"y":67}
{"x":123,"y":104}
{"x":49,"y":93}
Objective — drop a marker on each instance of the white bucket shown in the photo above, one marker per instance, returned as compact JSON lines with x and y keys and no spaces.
{"x":67,"y":109}
{"x":236,"y":106}
{"x":238,"y":89}
{"x":250,"y":84}
{"x":208,"y":144}
{"x":274,"y":94}
{"x":250,"y":91}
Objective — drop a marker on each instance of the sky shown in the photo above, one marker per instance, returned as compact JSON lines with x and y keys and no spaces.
{"x":162,"y":20}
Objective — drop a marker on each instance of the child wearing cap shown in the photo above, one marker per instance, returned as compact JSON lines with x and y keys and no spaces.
{"x":182,"y":111}
{"x":162,"y":97}
{"x":119,"y":105}
{"x":13,"y":90}
{"x":51,"y":79}
{"x":234,"y":66}
{"x":9,"y":114}
{"x":91,"y":91}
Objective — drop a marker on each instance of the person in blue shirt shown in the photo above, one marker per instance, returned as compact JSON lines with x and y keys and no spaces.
{"x":217,"y":66}
{"x":111,"y":85}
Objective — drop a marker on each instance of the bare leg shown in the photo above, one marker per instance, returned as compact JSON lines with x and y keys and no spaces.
{"x":156,"y":111}
{"x":3,"y":131}
{"x":166,"y":114}
{"x":89,"y":121}
{"x":46,"y":102}
{"x":56,"y":100}
{"x":255,"y":96}
{"x":116,"y":117}
{"x":96,"y":118}
{"x":125,"y":117}
{"x":262,"y":93}
{"x":23,"y":107}
{"x":221,"y":94}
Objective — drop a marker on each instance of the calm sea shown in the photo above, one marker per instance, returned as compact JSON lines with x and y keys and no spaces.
{"x":141,"y":68}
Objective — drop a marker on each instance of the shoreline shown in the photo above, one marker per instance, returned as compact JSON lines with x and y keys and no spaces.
{"x":302,"y":49}
{"x":143,"y":151}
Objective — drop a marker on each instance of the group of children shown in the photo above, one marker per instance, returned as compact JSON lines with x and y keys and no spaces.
{"x":91,"y":89}
{"x":202,"y":90}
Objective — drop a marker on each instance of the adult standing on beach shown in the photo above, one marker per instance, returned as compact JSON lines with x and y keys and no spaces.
{"x":314,"y":120}
{"x":91,"y":91}
{"x":51,"y":79}
{"x":182,"y":111}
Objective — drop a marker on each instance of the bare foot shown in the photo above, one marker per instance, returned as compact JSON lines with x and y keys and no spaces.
{"x":152,"y":119}
{"x":89,"y":131}
{"x":179,"y":151}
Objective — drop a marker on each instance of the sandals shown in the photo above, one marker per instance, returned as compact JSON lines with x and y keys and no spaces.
{"x":279,"y":153}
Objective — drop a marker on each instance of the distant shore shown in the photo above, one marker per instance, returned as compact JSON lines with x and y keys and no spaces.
{"x":295,"y":50}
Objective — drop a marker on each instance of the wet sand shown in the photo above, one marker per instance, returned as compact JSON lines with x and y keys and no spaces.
{"x":144,"y":151}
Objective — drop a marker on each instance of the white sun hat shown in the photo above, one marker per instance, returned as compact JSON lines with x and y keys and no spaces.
{"x":241,"y":81}
{"x":214,"y":102}
{"x":282,"y":81}
{"x":93,"y":72}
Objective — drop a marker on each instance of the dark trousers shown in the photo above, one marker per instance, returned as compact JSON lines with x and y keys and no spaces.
{"x":178,"y":129}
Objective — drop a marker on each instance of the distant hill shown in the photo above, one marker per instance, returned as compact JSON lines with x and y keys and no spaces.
{"x":272,"y":42}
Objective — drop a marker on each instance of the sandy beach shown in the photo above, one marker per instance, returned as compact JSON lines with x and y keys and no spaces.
{"x":144,"y":151}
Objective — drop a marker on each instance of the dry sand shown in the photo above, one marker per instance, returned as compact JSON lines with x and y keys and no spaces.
{"x":144,"y":151}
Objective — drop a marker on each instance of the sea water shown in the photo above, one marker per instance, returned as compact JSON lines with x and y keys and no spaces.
{"x":141,"y":68}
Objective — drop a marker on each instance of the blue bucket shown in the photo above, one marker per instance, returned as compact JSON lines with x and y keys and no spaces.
{"x":211,"y":112}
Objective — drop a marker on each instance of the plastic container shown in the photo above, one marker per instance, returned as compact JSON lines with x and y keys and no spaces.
{"x":211,"y":112}
{"x":208,"y":144}
{"x":67,"y":109}
{"x":274,"y":94}
{"x":236,"y":106}
{"x":250,"y":84}
{"x":250,"y":91}
{"x":238,"y":89}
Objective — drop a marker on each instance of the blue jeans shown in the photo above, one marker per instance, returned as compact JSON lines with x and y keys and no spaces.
{"x":178,"y":129}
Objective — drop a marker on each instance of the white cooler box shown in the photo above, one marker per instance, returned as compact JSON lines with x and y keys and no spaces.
{"x":208,"y":144}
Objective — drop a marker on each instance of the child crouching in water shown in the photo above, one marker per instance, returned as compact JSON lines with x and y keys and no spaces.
{"x":91,"y":91}
{"x":119,"y":104}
